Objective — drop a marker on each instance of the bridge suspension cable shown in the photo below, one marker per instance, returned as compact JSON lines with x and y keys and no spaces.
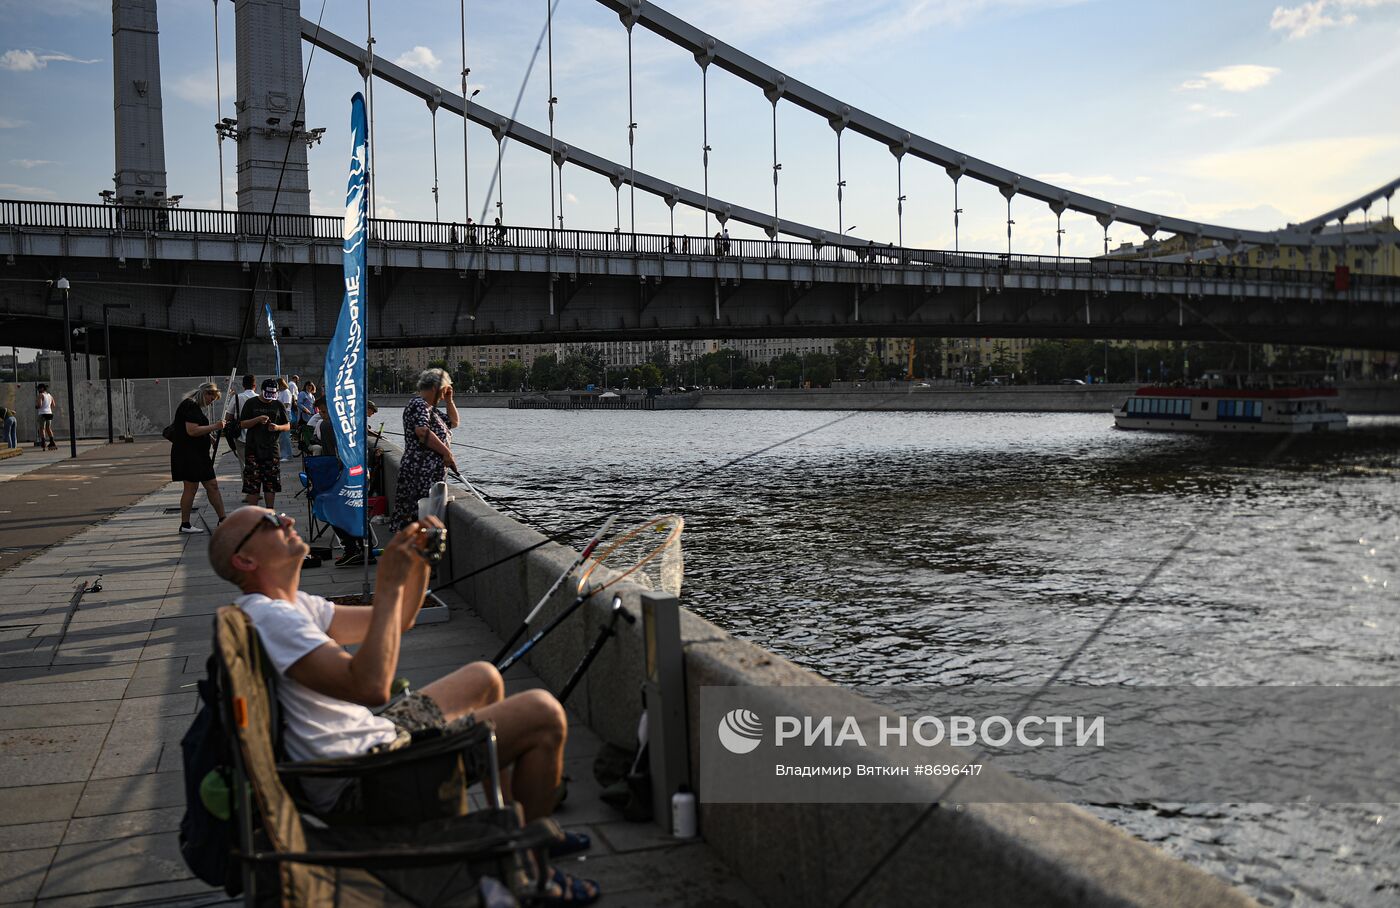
{"x":686,"y":36}
{"x":506,"y":128}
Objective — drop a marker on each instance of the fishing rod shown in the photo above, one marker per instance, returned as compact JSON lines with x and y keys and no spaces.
{"x":558,"y":581}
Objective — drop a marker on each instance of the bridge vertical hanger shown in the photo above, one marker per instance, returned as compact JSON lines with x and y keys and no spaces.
{"x":617,"y":180}
{"x":704,"y":58}
{"x":1058,"y":206}
{"x":1009,"y":191}
{"x":499,"y":131}
{"x":838,"y":124}
{"x":561,"y":155}
{"x":466,"y":104}
{"x":369,"y":94}
{"x":629,"y":19}
{"x":956,"y":171}
{"x":899,"y":151}
{"x":671,"y":198}
{"x":549,"y":165}
{"x":433,"y":105}
{"x":1104,"y":220}
{"x":773,"y":93}
{"x":218,"y":107}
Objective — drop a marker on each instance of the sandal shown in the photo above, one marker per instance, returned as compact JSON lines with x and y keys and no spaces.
{"x":562,"y":889}
{"x":572,"y":843}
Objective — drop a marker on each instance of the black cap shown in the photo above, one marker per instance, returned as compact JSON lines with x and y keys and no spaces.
{"x":269,"y":388}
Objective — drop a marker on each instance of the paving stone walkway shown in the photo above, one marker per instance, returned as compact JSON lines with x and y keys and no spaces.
{"x":96,"y":691}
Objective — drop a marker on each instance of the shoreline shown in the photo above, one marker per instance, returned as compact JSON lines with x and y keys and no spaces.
{"x":1371,"y":398}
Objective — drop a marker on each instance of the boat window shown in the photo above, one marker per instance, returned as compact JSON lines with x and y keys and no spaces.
{"x":1156,"y":405}
{"x":1205,"y":406}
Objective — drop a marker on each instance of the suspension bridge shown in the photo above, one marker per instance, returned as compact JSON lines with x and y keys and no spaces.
{"x":180,"y":285}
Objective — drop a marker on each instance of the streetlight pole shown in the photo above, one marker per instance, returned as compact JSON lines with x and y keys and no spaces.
{"x":64,"y":286}
{"x":107,"y":351}
{"x":731,"y":371}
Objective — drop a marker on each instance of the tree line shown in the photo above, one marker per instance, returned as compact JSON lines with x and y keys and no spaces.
{"x":861,"y":359}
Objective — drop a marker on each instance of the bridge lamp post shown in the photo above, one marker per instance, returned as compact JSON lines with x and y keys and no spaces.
{"x":107,"y":350}
{"x":900,"y":206}
{"x":64,"y":286}
{"x":731,"y":373}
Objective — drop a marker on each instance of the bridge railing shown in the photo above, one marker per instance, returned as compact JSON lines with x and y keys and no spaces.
{"x":254,"y":226}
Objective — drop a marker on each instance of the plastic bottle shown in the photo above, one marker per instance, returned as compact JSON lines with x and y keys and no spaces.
{"x":683,"y":815}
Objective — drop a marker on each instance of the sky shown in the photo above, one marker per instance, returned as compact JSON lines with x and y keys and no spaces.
{"x":1251,"y":114}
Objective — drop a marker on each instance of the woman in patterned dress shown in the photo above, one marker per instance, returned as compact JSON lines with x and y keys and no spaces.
{"x":427,"y":442}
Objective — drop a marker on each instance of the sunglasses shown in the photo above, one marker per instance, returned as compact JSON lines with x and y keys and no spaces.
{"x":266,"y":520}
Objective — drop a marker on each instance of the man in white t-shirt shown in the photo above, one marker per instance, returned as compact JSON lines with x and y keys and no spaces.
{"x":325,"y":691}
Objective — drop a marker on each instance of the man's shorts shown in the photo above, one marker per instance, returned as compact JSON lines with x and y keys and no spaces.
{"x":45,"y":417}
{"x":416,"y":712}
{"x":261,"y":475}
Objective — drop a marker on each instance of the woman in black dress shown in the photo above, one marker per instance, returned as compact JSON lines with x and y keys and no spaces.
{"x":427,"y":445}
{"x":190,"y":462}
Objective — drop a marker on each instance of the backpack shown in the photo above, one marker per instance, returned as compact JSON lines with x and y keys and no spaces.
{"x":207,"y":841}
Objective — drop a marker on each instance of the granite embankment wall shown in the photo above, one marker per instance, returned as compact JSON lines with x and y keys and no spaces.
{"x":1361,"y":398}
{"x":976,"y":854}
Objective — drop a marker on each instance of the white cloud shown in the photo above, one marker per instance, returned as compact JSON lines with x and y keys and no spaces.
{"x":1206,"y":110}
{"x":1300,"y":177}
{"x":571,"y":198}
{"x":27,"y":60}
{"x":1237,"y":78}
{"x":12,"y":123}
{"x":420,"y":59}
{"x":17,"y":189}
{"x":30,"y":163}
{"x":1301,"y":21}
{"x":198,"y":87}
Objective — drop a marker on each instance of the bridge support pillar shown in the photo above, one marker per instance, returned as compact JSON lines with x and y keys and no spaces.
{"x":140,"y":131}
{"x":271,"y":112}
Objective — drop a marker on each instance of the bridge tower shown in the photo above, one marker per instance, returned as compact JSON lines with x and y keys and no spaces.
{"x":140,"y":134}
{"x":271,"y":112}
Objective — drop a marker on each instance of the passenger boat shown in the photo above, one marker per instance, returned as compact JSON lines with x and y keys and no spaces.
{"x":1252,"y":406}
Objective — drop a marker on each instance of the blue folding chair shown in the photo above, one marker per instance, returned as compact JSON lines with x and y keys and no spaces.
{"x":317,"y":475}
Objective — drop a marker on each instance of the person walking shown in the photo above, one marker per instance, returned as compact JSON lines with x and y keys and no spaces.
{"x":263,"y":418}
{"x":306,"y":411}
{"x":287,"y":399}
{"x":427,"y":440}
{"x":11,"y":422}
{"x":234,"y":432}
{"x":189,"y":453}
{"x":43,"y":412}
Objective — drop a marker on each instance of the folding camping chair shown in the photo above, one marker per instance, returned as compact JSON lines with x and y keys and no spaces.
{"x":317,"y":475}
{"x":416,"y":844}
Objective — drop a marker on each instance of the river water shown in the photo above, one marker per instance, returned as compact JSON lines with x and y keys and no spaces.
{"x":981,"y":548}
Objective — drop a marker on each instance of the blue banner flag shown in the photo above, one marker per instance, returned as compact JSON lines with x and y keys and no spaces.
{"x":343,"y":504}
{"x":272,"y":333}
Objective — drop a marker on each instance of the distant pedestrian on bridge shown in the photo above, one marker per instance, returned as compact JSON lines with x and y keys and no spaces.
{"x":500,"y":232}
{"x":189,"y":453}
{"x":471,"y":232}
{"x":427,"y":445}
